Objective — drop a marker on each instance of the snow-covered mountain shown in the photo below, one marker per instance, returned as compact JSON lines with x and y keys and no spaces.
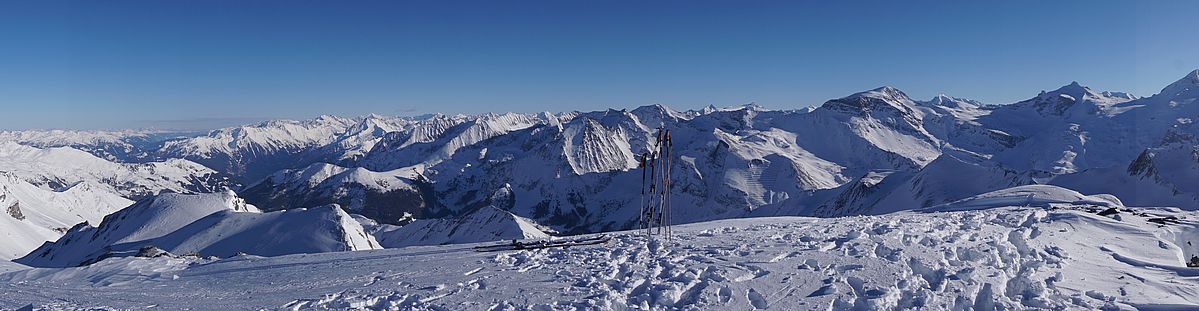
{"x":873,"y":152}
{"x":1072,"y":199}
{"x":489,"y":223}
{"x":258,"y":150}
{"x":214,"y":224}
{"x":388,"y":197}
{"x":34,"y":215}
{"x":116,"y":146}
{"x":60,"y":168}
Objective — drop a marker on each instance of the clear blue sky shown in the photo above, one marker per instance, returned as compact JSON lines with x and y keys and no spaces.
{"x":131,"y":64}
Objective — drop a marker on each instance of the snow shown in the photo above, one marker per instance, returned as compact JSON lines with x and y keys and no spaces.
{"x":147,"y":219}
{"x":60,"y":167}
{"x":485,"y":224}
{"x":488,"y":223}
{"x":117,"y":146}
{"x":972,"y":206}
{"x":1030,"y":195}
{"x":303,"y":230}
{"x":1011,"y":257}
{"x":383,"y":196}
{"x":34,"y":215}
{"x":218,"y":224}
{"x":590,"y":148}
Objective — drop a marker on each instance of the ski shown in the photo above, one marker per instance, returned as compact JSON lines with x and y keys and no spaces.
{"x":538,"y":244}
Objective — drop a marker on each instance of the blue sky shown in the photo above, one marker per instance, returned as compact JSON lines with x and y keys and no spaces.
{"x":190,"y":64}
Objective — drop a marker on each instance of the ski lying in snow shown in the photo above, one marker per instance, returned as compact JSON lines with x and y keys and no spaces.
{"x":519,"y":245}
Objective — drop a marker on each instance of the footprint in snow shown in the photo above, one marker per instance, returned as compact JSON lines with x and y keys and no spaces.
{"x":756,"y":299}
{"x":724,"y":295}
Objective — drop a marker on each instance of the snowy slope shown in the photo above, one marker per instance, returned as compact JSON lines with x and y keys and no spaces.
{"x":1159,"y":176}
{"x":884,"y":119}
{"x":228,"y":232}
{"x":995,"y":255}
{"x":147,"y":219}
{"x":61,"y":167}
{"x":34,"y":215}
{"x":485,"y":224}
{"x":218,"y":224}
{"x":952,"y":176}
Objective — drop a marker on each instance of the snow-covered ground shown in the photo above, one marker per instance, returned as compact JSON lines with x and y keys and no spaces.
{"x":1047,"y":254}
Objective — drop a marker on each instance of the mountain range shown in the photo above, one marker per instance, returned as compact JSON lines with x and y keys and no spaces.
{"x":424,"y":180}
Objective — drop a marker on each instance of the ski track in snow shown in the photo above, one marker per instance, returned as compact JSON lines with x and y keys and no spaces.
{"x":1014,"y":258}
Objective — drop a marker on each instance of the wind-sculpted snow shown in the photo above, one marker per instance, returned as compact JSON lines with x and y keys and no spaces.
{"x":1052,"y":256}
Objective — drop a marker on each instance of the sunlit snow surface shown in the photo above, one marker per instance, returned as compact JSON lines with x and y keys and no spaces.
{"x":1017,"y":257}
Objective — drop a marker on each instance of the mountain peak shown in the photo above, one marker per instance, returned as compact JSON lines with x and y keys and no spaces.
{"x":882,"y":92}
{"x":886,"y":89}
{"x":884,"y":98}
{"x":1188,"y":82}
{"x":950,"y":101}
{"x":1073,"y":89}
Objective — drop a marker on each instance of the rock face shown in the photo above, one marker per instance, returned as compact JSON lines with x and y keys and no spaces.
{"x":14,"y":211}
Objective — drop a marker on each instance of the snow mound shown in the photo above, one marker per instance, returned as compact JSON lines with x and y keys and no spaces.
{"x":1029,"y":195}
{"x":305,"y":230}
{"x":147,"y":219}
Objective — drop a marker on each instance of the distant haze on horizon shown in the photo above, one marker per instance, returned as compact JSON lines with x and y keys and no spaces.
{"x":202,"y":65}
